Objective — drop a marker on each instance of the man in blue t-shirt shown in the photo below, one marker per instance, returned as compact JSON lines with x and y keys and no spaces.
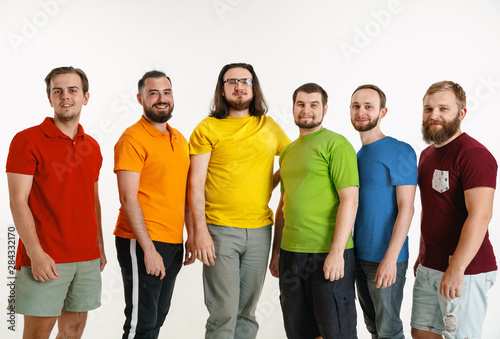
{"x":387,"y":183}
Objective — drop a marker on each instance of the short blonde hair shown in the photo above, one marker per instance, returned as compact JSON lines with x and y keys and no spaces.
{"x":448,"y":86}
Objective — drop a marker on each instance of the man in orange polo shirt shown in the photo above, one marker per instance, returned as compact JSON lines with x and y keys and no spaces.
{"x":52,"y":170}
{"x":151,"y":164}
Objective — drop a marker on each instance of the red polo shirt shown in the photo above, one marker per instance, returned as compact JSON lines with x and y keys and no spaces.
{"x":62,"y":195}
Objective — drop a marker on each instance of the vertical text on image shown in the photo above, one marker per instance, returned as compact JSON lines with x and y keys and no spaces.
{"x":11,"y":277}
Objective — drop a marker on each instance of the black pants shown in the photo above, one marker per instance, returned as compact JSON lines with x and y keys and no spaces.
{"x":147,"y":298}
{"x":313,"y":306}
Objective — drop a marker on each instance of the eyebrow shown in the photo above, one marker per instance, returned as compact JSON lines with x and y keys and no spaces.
{"x":157,"y":90}
{"x":66,"y":87}
{"x":303,"y":102}
{"x":362,"y":103}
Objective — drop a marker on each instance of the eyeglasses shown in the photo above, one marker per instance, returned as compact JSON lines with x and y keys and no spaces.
{"x":234,"y":82}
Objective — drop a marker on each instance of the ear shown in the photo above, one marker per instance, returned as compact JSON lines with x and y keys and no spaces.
{"x":383,"y":112}
{"x":86,"y":98}
{"x":50,"y":101}
{"x":139,"y":98}
{"x":325,"y":109}
{"x":462,"y":113}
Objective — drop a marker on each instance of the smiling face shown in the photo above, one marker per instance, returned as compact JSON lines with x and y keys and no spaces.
{"x":157,"y":99}
{"x":238,"y":96}
{"x":308,"y":111}
{"x":365,"y":110}
{"x":67,"y":97}
{"x":441,"y":118}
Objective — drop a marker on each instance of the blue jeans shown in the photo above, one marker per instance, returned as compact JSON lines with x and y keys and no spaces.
{"x":233,"y":285}
{"x":381,"y":307}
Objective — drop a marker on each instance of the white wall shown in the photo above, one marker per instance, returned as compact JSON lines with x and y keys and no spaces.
{"x":402,"y":46}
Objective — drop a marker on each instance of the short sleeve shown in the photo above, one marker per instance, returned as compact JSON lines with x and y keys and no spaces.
{"x":403,"y":170}
{"x":21,"y":158}
{"x":199,"y":142}
{"x":479,"y":168}
{"x":343,"y":165}
{"x":129,"y":155}
{"x":281,"y":136}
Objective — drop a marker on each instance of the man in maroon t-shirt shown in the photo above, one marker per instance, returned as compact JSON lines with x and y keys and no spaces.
{"x":457,"y":181}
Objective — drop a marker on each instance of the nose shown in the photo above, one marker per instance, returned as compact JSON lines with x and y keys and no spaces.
{"x":435,"y":113}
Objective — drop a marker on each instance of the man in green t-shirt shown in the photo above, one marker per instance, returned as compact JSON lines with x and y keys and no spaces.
{"x":313,"y":248}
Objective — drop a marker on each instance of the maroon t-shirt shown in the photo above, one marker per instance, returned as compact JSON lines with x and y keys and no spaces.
{"x":443,"y":175}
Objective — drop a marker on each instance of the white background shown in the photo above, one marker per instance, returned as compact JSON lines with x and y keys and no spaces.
{"x":402,"y":46}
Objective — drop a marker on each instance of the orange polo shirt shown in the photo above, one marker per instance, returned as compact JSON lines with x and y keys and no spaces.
{"x":163,"y":162}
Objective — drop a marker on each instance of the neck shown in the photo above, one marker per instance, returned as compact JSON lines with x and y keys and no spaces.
{"x":69,"y":128}
{"x":368,"y":137}
{"x":306,"y":131}
{"x":160,"y":126}
{"x":238,"y":114}
{"x":456,"y":135}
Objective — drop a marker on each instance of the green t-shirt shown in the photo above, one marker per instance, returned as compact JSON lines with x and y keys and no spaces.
{"x":313,"y":168}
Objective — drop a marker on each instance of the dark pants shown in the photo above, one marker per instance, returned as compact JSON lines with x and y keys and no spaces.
{"x":313,"y":306}
{"x":147,"y":298}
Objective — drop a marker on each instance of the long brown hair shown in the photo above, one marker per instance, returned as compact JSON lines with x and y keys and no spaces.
{"x":220,"y":107}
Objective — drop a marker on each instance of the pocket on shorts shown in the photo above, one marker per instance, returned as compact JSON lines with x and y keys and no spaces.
{"x":346,"y":311}
{"x":441,"y":181}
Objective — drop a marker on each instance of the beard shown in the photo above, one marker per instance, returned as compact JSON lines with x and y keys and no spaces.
{"x":159,"y":116}
{"x":365,"y":128}
{"x":439,"y":136}
{"x":309,"y":125}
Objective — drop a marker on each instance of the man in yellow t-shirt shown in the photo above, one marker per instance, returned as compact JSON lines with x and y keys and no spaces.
{"x":230,"y":184}
{"x":151,"y":164}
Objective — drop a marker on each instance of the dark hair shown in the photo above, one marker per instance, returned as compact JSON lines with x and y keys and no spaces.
{"x":381,"y":94}
{"x":447,"y":85}
{"x":67,"y":70}
{"x":311,"y":87}
{"x":151,"y":74}
{"x":220,"y":107}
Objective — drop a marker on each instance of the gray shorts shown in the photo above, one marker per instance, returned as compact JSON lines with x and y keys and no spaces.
{"x":78,"y":289}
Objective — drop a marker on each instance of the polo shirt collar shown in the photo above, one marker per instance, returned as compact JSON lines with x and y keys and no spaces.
{"x":154,"y":131}
{"x":50,"y":129}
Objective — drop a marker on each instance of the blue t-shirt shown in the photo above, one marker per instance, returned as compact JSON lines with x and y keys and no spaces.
{"x":382,"y":166}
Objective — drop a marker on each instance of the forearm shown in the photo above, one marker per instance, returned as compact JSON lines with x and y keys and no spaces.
{"x":25,"y":226}
{"x":135,"y":218}
{"x":188,"y":219}
{"x":399,"y":234}
{"x":344,"y":224}
{"x":276,"y":178}
{"x":279,"y":224}
{"x":197,"y":206}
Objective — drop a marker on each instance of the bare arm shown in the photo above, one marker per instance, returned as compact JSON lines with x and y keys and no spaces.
{"x":387,"y":269}
{"x":346,"y":214}
{"x":203,"y":243}
{"x":189,"y":222}
{"x":276,"y":178}
{"x":128,"y":188}
{"x":42,"y":265}
{"x":100,"y":240}
{"x":279,"y":223}
{"x":479,"y":203}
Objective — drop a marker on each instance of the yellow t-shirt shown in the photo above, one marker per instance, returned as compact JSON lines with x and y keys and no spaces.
{"x":163,"y":162}
{"x":240,"y":172}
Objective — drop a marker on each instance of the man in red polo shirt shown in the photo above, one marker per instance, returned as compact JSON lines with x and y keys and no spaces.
{"x":52,"y":172}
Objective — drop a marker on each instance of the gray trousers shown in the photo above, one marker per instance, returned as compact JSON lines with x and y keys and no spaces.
{"x":233,"y":285}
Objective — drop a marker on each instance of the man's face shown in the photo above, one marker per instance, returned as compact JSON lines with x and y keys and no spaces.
{"x":308,"y":110}
{"x":238,"y":96}
{"x":66,"y":96}
{"x":365,"y":110}
{"x":157,"y":99}
{"x":441,"y":117}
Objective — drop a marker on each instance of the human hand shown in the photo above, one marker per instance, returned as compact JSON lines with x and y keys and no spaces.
{"x":154,"y":263}
{"x":43,"y":267}
{"x":386,"y":274}
{"x":204,"y":248}
{"x":189,"y":247}
{"x":334,"y":267}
